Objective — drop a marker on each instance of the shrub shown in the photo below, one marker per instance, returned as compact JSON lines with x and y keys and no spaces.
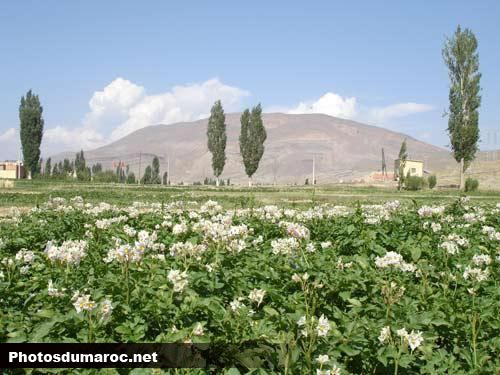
{"x":106,"y":176}
{"x":471,"y":184}
{"x":131,"y":178}
{"x":414,"y":183}
{"x":432,"y":181}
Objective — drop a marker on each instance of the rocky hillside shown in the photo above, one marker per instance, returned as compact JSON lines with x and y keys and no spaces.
{"x":343,"y":150}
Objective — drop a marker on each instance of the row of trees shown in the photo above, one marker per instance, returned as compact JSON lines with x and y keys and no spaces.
{"x":252,"y":138}
{"x":152,"y":174}
{"x":77,"y":168}
{"x":460,"y":56}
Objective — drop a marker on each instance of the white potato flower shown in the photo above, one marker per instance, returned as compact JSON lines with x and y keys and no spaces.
{"x":385,"y":335}
{"x":257,"y":296}
{"x":322,"y":359}
{"x":323,"y":326}
{"x":178,"y":279}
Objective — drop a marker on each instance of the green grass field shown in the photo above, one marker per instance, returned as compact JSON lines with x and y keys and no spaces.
{"x":25,"y":194}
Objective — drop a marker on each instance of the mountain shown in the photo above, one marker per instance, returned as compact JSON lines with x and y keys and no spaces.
{"x":343,"y":150}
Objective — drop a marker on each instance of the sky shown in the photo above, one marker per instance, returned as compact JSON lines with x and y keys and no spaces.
{"x":103,"y":69}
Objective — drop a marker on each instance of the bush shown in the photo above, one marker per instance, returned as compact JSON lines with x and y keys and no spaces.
{"x":432,"y":181}
{"x":414,"y":183}
{"x":106,"y":176}
{"x":471,"y":184}
{"x":131,"y":178}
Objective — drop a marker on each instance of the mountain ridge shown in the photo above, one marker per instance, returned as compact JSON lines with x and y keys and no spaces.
{"x":342,"y":149}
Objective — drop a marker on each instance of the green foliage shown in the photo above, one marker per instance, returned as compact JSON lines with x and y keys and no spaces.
{"x":96,"y":168}
{"x":403,"y":155}
{"x":462,"y":59}
{"x":148,"y":176}
{"x":432,"y":181}
{"x":80,"y":167}
{"x":252,"y":137}
{"x":48,"y":168}
{"x":155,"y":171}
{"x":334,"y":273}
{"x":105,"y":176}
{"x":31,"y":130}
{"x":414,"y":183}
{"x":39,"y":167}
{"x":121,"y":176}
{"x":216,"y":134}
{"x":67,"y":167}
{"x":471,"y":184}
{"x":131,"y":178}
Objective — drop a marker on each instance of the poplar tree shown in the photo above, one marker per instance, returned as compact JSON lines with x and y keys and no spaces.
{"x":48,"y":167}
{"x":155,"y":171}
{"x":462,"y":59}
{"x":403,"y":155}
{"x":146,"y":179}
{"x":252,"y":138}
{"x":31,"y":130}
{"x":216,"y":134}
{"x":384,"y":166}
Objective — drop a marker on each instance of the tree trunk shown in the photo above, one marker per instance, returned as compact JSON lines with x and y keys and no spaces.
{"x":462,"y":177}
{"x":217,"y":182}
{"x":250,"y":181}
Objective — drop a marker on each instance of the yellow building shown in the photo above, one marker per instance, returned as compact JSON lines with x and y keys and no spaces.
{"x":412,"y":167}
{"x":12,"y":170}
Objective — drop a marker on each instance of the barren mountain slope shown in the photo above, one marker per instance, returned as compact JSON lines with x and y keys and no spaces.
{"x":343,"y":149}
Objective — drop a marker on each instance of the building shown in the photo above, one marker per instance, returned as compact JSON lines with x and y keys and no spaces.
{"x":12,"y":170}
{"x":412,"y":167}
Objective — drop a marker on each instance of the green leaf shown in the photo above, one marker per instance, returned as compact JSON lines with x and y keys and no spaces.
{"x":270,"y":311}
{"x":348,"y":350}
{"x":415,"y":253}
{"x":42,"y":330}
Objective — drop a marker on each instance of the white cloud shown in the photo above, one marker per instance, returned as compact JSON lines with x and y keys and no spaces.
{"x":123,"y":107}
{"x":329,"y":104}
{"x":8,"y":135}
{"x":383,"y":114}
{"x":10,"y":145}
{"x":183,"y":103}
{"x":74,"y":139}
{"x":113,"y":101}
{"x":348,"y":108}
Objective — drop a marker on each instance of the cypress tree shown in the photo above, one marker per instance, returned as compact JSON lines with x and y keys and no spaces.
{"x":39,"y":167}
{"x":461,"y":57}
{"x":146,"y":179}
{"x":216,"y":134}
{"x":131,"y":178}
{"x":48,"y":167}
{"x":403,"y":155}
{"x":155,"y":171}
{"x":65,"y":167}
{"x":31,"y":130}
{"x":252,"y":138}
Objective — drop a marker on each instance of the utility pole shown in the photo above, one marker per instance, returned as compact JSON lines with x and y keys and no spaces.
{"x":313,"y":160}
